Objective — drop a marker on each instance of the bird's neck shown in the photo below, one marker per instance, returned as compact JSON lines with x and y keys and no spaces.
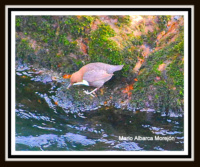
{"x":81,"y":72}
{"x":79,"y":76}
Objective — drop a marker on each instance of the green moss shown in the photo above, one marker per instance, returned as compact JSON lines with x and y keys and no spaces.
{"x":124,"y":20}
{"x":151,"y":37}
{"x":139,"y":40}
{"x":175,"y":72}
{"x":168,"y":92}
{"x":163,"y":20}
{"x":179,"y":47}
{"x":101,"y":48}
{"x":155,"y":68}
{"x":56,"y":38}
{"x":51,"y":34}
{"x":104,"y":49}
{"x":18,"y":21}
{"x":160,"y":83}
{"x":24,"y":51}
{"x":77,"y":26}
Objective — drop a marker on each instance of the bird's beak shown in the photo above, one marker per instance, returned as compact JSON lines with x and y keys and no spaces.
{"x":69,"y":86}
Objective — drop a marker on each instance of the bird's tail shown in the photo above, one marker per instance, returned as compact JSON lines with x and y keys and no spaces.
{"x":115,"y":68}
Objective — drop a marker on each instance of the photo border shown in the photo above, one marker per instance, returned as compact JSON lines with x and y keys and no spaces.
{"x":140,"y":157}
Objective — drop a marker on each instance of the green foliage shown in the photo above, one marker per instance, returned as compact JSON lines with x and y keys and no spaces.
{"x":163,"y":20}
{"x":168,"y":92}
{"x":59,"y":37}
{"x":78,"y":26}
{"x":124,"y":20}
{"x":18,"y":21}
{"x":175,"y":72}
{"x":102,"y":48}
{"x":179,"y":47}
{"x":24,"y":51}
{"x":139,"y":40}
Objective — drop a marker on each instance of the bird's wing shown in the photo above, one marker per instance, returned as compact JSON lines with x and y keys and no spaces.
{"x":96,"y":75}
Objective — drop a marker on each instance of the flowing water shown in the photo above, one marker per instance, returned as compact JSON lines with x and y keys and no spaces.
{"x":47,"y":122}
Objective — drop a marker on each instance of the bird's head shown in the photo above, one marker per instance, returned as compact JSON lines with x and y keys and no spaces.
{"x":75,"y":78}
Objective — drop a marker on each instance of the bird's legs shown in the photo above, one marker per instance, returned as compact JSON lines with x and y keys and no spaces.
{"x":90,"y":93}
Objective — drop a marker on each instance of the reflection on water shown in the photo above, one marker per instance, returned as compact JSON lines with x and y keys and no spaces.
{"x":42,"y":124}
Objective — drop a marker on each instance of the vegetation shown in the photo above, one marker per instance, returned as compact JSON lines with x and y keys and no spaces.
{"x":151,"y":50}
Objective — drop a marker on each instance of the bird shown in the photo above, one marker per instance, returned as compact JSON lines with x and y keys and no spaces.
{"x":94,"y":74}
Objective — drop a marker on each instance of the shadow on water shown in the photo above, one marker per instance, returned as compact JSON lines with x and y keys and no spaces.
{"x":44,"y":122}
